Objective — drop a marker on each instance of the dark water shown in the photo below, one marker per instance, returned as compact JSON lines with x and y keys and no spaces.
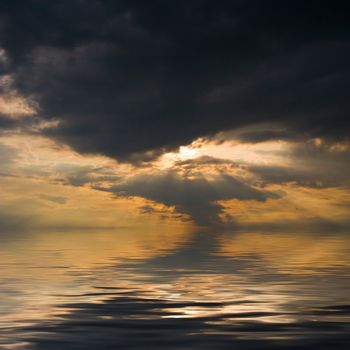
{"x":204,"y":290}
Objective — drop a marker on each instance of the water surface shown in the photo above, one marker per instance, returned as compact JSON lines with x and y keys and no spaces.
{"x":175,"y":290}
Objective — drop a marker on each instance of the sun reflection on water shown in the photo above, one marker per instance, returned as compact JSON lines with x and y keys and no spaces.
{"x":244,"y":285}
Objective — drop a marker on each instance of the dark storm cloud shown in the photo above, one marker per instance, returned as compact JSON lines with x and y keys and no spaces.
{"x":132,"y":79}
{"x":195,"y":197}
{"x":311,"y":165}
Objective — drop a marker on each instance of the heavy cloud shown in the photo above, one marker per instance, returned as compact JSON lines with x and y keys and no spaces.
{"x":311,"y":164}
{"x":196,"y":197}
{"x":131,"y":79}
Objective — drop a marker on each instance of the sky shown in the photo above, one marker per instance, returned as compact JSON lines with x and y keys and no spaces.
{"x":174,"y":114}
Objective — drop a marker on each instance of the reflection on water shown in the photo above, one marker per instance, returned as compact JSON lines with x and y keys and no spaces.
{"x":172,"y":290}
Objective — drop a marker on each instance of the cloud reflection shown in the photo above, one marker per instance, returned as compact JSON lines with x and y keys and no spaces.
{"x":209,"y":290}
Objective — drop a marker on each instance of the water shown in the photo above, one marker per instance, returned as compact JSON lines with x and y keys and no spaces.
{"x":175,"y":290}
